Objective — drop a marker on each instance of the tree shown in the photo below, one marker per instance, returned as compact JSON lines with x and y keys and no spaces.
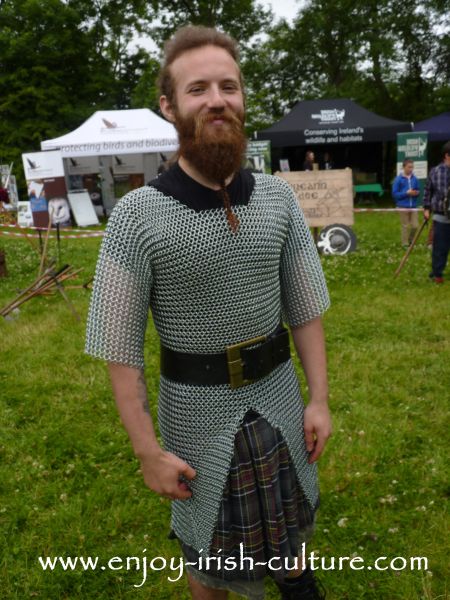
{"x":241,"y":19}
{"x":314,"y":57}
{"x":45,"y":73}
{"x":57,"y":66}
{"x":392,"y":56}
{"x":111,"y":26}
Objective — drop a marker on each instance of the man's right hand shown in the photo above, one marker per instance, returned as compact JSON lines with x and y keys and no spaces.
{"x":426,"y":214}
{"x":163,"y":472}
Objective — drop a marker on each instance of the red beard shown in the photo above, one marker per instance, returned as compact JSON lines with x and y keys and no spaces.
{"x":215,"y":151}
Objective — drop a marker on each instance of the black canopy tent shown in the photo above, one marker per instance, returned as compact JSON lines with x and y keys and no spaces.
{"x":338,"y":121}
{"x":353,"y":135}
{"x":438,"y":127}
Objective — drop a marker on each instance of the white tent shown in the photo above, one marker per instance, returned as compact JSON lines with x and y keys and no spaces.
{"x":109,"y":132}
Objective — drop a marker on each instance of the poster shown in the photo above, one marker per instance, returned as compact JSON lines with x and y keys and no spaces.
{"x":82,"y":165}
{"x":258,"y":156}
{"x":127,"y":164}
{"x":24,"y":216}
{"x":44,"y":172}
{"x":284,"y":165}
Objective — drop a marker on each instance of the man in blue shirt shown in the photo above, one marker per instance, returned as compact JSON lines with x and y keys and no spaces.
{"x":437,"y":189}
{"x":405,"y":190}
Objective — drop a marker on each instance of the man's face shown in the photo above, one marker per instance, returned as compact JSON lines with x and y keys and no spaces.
{"x":208,"y":112}
{"x":408,"y":168}
{"x":206,"y":80}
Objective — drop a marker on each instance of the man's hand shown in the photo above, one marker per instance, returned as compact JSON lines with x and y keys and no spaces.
{"x":426,"y":214}
{"x":317,"y":424}
{"x":163,"y":473}
{"x":309,"y":342}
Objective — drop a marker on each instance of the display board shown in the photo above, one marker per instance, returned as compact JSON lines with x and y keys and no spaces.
{"x":326,"y":197}
{"x":44,"y":172}
{"x":82,"y":208}
{"x":24,"y":216}
{"x":258,"y":157}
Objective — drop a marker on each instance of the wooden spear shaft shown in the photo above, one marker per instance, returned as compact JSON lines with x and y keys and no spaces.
{"x":42,"y":283}
{"x":32,"y":244}
{"x":410,"y":248}
{"x":26,"y":291}
{"x":47,"y":235}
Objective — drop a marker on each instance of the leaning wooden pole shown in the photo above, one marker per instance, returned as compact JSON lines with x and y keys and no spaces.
{"x":410,"y":248}
{"x":3,"y":269}
{"x":44,"y":251}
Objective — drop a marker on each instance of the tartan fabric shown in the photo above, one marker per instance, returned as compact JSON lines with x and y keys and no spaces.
{"x":263,"y":507}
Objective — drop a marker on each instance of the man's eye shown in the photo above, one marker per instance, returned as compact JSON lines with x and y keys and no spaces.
{"x":196,"y":90}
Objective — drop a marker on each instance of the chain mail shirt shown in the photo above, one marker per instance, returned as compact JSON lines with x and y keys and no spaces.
{"x":208,"y":288}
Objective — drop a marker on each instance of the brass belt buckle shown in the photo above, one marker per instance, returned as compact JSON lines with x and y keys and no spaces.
{"x":236,"y":364}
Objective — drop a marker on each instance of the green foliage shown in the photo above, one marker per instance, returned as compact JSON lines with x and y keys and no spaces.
{"x":57,"y":66}
{"x":60,"y":60}
{"x":145,"y":93}
{"x":391,"y":56}
{"x":242,"y":19}
{"x":69,"y":484}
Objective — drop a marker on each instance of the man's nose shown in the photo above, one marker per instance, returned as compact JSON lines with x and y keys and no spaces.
{"x":215,"y":98}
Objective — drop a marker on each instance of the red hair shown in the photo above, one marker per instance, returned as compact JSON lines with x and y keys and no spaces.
{"x":190,"y":38}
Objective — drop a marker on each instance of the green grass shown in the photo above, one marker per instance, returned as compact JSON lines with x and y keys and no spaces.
{"x":70,"y":485}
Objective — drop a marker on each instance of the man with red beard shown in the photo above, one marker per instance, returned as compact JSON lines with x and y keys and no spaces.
{"x":221,"y":257}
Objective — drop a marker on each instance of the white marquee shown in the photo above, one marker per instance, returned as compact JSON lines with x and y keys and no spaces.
{"x":109,"y":132}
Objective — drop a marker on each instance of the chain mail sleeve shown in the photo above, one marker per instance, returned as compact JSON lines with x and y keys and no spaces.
{"x":304,"y":294}
{"x":120,"y":300}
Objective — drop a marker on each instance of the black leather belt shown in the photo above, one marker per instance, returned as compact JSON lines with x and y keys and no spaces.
{"x":239,"y":365}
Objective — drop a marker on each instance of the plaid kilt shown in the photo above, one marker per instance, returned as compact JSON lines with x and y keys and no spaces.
{"x":263,"y":507}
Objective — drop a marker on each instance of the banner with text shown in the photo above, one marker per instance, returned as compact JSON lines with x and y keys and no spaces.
{"x":326,"y":197}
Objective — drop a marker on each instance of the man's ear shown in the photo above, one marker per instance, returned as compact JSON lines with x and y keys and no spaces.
{"x":166,"y":109}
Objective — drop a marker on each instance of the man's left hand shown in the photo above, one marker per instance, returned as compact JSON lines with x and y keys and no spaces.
{"x":317,"y":424}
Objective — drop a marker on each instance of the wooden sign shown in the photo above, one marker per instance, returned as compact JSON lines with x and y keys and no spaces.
{"x":326,"y":197}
